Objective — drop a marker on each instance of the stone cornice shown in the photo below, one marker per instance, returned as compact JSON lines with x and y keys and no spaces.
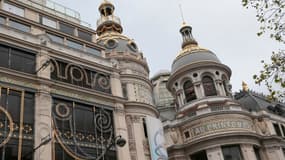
{"x":181,"y":122}
{"x":129,"y":105}
{"x":217,"y":140}
{"x":132,"y":76}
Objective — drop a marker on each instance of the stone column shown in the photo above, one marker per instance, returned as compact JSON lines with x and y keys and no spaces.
{"x":43,"y":64}
{"x":274,"y":152}
{"x":219,"y":88}
{"x":116,"y":85}
{"x":178,"y":155}
{"x":123,"y":153}
{"x":131,"y":92}
{"x":198,"y":90}
{"x":139,"y":134}
{"x":179,"y":97}
{"x":43,"y":126}
{"x":43,"y":109}
{"x":248,"y":152}
{"x":215,"y":153}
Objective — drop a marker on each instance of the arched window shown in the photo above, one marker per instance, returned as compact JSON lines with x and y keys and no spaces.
{"x":209,"y":86}
{"x":224,"y":79}
{"x":189,"y":91}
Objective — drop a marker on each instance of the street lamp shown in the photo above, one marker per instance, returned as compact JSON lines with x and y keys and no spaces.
{"x":45,"y":141}
{"x":118,"y":140}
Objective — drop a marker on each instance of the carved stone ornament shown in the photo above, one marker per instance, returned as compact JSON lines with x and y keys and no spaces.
{"x":173,"y":135}
{"x":261,"y":126}
{"x":119,"y":108}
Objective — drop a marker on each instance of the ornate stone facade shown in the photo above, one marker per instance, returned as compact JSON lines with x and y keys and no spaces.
{"x":68,"y":91}
{"x":208,"y":123}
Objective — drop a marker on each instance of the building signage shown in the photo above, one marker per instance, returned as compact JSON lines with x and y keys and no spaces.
{"x":156,"y":139}
{"x":220,"y":125}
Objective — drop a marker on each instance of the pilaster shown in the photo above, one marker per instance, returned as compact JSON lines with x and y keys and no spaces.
{"x":215,"y":153}
{"x":248,"y":152}
{"x":43,"y":64}
{"x":274,"y":152}
{"x":116,"y":85}
{"x":123,"y":153}
{"x":138,"y":130}
{"x":43,"y":126}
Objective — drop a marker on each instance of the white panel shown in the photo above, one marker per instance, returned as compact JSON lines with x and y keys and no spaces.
{"x":48,"y":22}
{"x":14,"y":9}
{"x":156,"y":139}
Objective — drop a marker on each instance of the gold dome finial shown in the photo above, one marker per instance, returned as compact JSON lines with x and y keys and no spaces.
{"x":244,"y":86}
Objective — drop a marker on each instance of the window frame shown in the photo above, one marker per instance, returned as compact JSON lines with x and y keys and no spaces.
{"x":230,"y":149}
{"x":208,"y":81}
{"x":22,"y":54}
{"x":66,"y":28}
{"x":14,"y":9}
{"x":189,"y":91}
{"x":46,"y":21}
{"x":16,"y":24}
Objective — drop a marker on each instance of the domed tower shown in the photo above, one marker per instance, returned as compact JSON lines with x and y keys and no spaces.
{"x":209,"y":124}
{"x":197,"y":76}
{"x":135,"y":86}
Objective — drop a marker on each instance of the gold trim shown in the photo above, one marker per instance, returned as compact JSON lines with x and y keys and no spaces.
{"x":21,"y":125}
{"x":65,"y":148}
{"x":11,"y":124}
{"x":190,"y":49}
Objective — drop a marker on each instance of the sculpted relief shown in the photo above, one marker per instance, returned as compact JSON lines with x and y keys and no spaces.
{"x":172,"y":136}
{"x":261,"y":126}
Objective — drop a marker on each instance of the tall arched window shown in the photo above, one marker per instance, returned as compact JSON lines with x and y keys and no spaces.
{"x":224,"y":79}
{"x":189,"y":91}
{"x":209,"y":86}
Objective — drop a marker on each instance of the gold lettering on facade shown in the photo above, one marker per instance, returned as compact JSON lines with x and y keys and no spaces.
{"x":219,"y":125}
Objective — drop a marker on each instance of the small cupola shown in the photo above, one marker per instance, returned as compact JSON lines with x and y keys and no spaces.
{"x":106,"y":9}
{"x":187,"y":37}
{"x":108,"y":22}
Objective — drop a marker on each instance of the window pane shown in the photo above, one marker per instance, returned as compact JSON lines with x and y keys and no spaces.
{"x":84,"y":35}
{"x":22,"y":61}
{"x":55,"y":38}
{"x":2,"y":20}
{"x":48,"y":22}
{"x":199,"y":156}
{"x":257,"y":153}
{"x":19,"y":26}
{"x":93,"y":51}
{"x":209,"y":86}
{"x":277,"y":129}
{"x":66,"y":28}
{"x":232,"y":153}
{"x":14,"y":105}
{"x":189,"y":91}
{"x":75,"y":45}
{"x":4,"y":54}
{"x":14,"y":9}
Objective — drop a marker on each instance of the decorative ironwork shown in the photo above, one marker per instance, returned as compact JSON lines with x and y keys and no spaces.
{"x":80,"y":76}
{"x":7,"y":120}
{"x":16,"y":123}
{"x":83,"y":131}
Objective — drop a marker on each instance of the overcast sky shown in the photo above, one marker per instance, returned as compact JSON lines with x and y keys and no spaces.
{"x":223,"y":26}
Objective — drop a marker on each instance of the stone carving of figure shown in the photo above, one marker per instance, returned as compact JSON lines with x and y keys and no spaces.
{"x":173,"y":135}
{"x":261,"y":126}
